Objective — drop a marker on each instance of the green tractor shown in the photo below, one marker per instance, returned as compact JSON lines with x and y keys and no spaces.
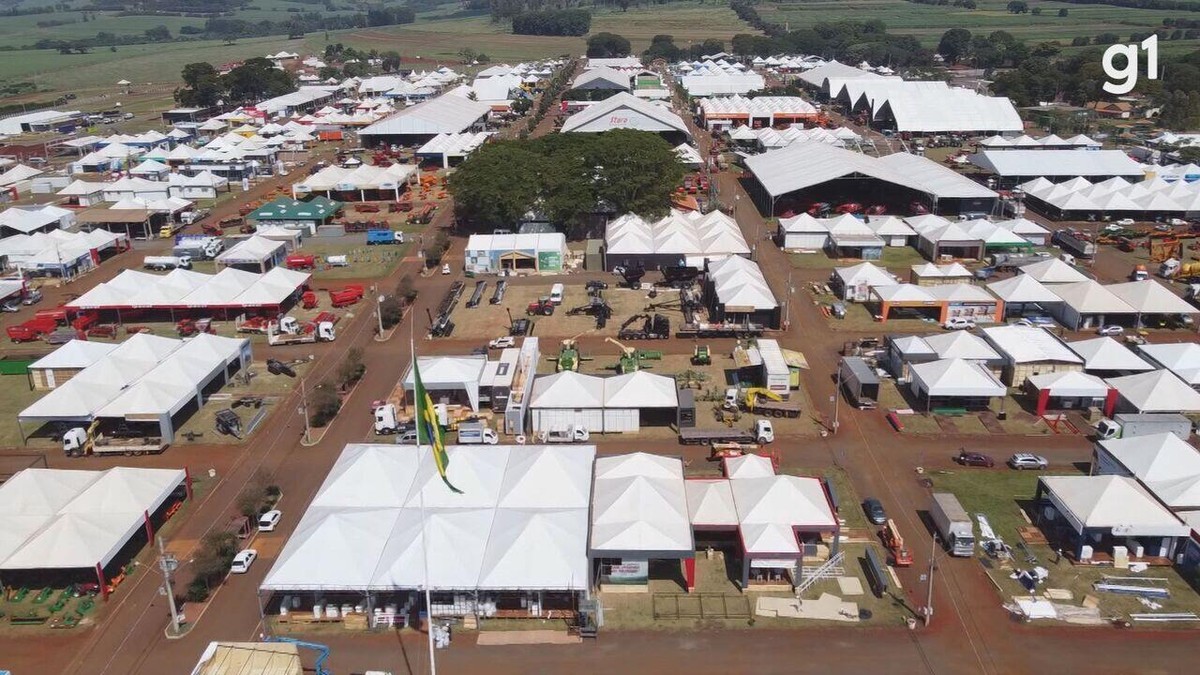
{"x":701,"y":356}
{"x":631,"y":359}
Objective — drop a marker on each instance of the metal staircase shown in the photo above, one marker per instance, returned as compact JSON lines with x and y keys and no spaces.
{"x":830,"y":569}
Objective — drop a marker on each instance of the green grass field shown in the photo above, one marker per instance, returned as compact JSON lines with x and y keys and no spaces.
{"x":928,"y":22}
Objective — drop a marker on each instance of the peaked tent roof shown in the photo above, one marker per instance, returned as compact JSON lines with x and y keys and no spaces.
{"x":1181,"y":358}
{"x":1053,"y":271}
{"x":568,"y":389}
{"x":956,"y":377}
{"x":639,"y":505}
{"x":710,"y":503}
{"x":640,"y":389}
{"x":1071,"y":383}
{"x":1089,"y":297}
{"x":1029,"y":344}
{"x":638,"y":114}
{"x":1163,"y":462}
{"x":446,"y":114}
{"x":1105,"y":353}
{"x":1157,"y":391}
{"x":1151,"y":297}
{"x":961,"y":344}
{"x":1022,"y":289}
{"x":1114,"y":502}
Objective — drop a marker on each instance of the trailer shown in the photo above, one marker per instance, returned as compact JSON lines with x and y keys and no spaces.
{"x":762,"y":433}
{"x":859,"y":381}
{"x":954,"y":526}
{"x":477,"y":294}
{"x":288,"y":331}
{"x":81,"y":441}
{"x":1075,"y":242}
{"x":1128,"y":425}
{"x":167,"y":262}
{"x":298,"y":261}
{"x":720,"y":330}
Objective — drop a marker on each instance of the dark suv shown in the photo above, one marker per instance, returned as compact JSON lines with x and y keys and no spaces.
{"x":874,"y":510}
{"x":974,"y":459}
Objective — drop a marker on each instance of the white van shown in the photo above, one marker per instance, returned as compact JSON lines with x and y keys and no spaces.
{"x":556,"y":294}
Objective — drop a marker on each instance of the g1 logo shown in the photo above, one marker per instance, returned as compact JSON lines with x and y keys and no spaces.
{"x":1128,"y":75}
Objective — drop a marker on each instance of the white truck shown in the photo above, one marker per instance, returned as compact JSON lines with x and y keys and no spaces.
{"x":1128,"y":425}
{"x":167,"y":262}
{"x":571,"y":434}
{"x":289,"y":331}
{"x":953,"y":524}
{"x":387,"y":418}
{"x":77,"y":442}
{"x":198,"y":248}
{"x":476,"y":433}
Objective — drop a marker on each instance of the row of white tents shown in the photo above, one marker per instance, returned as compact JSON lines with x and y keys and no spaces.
{"x":1153,"y":197}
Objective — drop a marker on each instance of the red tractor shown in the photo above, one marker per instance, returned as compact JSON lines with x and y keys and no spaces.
{"x":542,"y":306}
{"x":849,"y":207}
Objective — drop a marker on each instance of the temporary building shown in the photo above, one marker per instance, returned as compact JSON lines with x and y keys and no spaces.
{"x":952,"y":239}
{"x":709,"y":81}
{"x":1151,"y":297}
{"x":306,"y":216}
{"x":1021,"y":165}
{"x":60,"y":253}
{"x":72,"y":521}
{"x":639,"y":513}
{"x":30,"y":219}
{"x":689,"y":156}
{"x":538,"y":252}
{"x":150,"y":169}
{"x":843,"y":236}
{"x":83,"y":193}
{"x":737,"y":292}
{"x":146,"y":380}
{"x":680,"y":238}
{"x":204,"y":185}
{"x":253,"y":254}
{"x":1181,"y":358}
{"x":1166,"y":465}
{"x":602,"y":78}
{"x":1030,"y":351}
{"x":1087,"y":304}
{"x":961,"y":344}
{"x":184,"y":291}
{"x":892,"y":230}
{"x":822,"y":76}
{"x":1022,"y":291}
{"x":1106,"y":356}
{"x":1052,"y":271}
{"x":815,"y":166}
{"x":626,"y":111}
{"x":854,"y":282}
{"x":450,"y":378}
{"x":1067,"y":390}
{"x":621,"y":404}
{"x":450,"y":149}
{"x":751,"y":113}
{"x":17,"y":178}
{"x":1027,"y":229}
{"x":384,"y":521}
{"x":361,"y":183}
{"x":1107,"y":511}
{"x":1157,"y":391}
{"x":954,"y":384}
{"x":929,"y":274}
{"x":445,"y":114}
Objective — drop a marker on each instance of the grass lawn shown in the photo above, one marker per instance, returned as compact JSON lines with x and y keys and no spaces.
{"x":928,"y":22}
{"x":898,"y":260}
{"x":15,"y":396}
{"x":1001,"y":495}
{"x":272,"y":387}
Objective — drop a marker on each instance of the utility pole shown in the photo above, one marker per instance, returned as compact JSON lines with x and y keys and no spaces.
{"x":379,"y":312}
{"x":928,"y":612}
{"x":167,"y":564}
{"x":837,"y":395}
{"x":304,"y":410}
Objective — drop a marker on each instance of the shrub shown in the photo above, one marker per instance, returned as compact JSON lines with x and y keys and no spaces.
{"x":352,"y":368}
{"x":323,"y":404}
{"x":197,"y":591}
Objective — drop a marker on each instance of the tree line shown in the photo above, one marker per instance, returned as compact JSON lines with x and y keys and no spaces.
{"x":572,"y":22}
{"x":252,"y":81}
{"x":567,"y":177}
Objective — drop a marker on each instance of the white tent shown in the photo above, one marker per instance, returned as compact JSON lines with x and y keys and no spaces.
{"x":1182,"y":358}
{"x":710,"y":503}
{"x":69,"y":519}
{"x":1029,"y":344}
{"x":961,"y":345}
{"x":954,"y":378}
{"x":444,"y":373}
{"x":640,"y":389}
{"x":1022,"y":289}
{"x":1151,"y":297}
{"x":639,"y":508}
{"x":856,"y":280}
{"x":1053,"y":271}
{"x":626,"y":111}
{"x":1166,"y":465}
{"x":384,"y":520}
{"x":1111,"y":502}
{"x":1106,"y":354}
{"x":1070,"y":384}
{"x":1156,"y":391}
{"x":740,"y":286}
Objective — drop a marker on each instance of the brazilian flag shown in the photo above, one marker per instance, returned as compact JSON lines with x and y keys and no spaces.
{"x":428,"y":430}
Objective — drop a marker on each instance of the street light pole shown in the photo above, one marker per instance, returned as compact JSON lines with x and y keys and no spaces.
{"x":304,"y":410}
{"x":379,"y":312}
{"x":837,"y":396}
{"x":929,"y":593}
{"x":168,"y":564}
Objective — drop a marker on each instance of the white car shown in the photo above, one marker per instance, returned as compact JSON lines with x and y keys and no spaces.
{"x":1177,"y":222}
{"x":503,"y":342}
{"x":1126,"y":222}
{"x":268,"y":520}
{"x":1026,"y":460}
{"x":1110,"y":330}
{"x":243,"y":560}
{"x":958,"y":323}
{"x":446,"y":268}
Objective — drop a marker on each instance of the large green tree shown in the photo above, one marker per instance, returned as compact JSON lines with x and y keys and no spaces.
{"x":202,"y":86}
{"x":567,"y":177}
{"x":955,"y":44}
{"x":257,"y":79}
{"x":607,"y":45}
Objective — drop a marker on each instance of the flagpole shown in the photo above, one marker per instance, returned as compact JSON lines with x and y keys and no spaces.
{"x":421,"y":497}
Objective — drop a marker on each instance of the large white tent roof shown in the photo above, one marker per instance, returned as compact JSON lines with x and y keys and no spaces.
{"x":145,"y":375}
{"x":1105,"y":353}
{"x":1181,"y":358}
{"x":1089,"y":297}
{"x":683,"y":233}
{"x":1167,"y":465}
{"x":1022,"y":289}
{"x":625,"y":111}
{"x":1071,"y":383}
{"x":1053,"y":271}
{"x":1041,"y":162}
{"x":1151,"y":297}
{"x":521,"y":522}
{"x":639,"y":506}
{"x":568,"y":389}
{"x":1157,"y":391}
{"x":956,"y":377}
{"x":739,"y":283}
{"x":446,"y":114}
{"x":806,"y":164}
{"x":865,"y":273}
{"x":1030,"y":344}
{"x":961,"y":344}
{"x":640,"y":389}
{"x":184,"y":288}
{"x":1115,"y":502}
{"x":710,"y":503}
{"x":68,"y":519}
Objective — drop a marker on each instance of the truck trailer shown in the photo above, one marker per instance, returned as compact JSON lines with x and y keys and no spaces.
{"x":762,"y":433}
{"x":953,"y":524}
{"x":1128,"y":425}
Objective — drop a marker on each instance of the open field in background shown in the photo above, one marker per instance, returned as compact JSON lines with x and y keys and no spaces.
{"x":928,"y":22}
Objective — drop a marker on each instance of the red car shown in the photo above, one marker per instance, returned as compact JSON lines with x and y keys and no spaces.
{"x":877,"y":210}
{"x":819,"y":209}
{"x":849,"y":207}
{"x":974,"y":459}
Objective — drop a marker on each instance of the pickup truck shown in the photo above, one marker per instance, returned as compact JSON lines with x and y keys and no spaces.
{"x":571,"y":434}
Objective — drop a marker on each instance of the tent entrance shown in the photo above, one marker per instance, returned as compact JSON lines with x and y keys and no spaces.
{"x":518,"y":261}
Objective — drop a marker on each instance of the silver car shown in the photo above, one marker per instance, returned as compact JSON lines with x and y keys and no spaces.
{"x":1025,"y":460}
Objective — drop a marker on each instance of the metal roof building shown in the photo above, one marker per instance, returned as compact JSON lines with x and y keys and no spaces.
{"x":626,"y":111}
{"x":445,"y":114}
